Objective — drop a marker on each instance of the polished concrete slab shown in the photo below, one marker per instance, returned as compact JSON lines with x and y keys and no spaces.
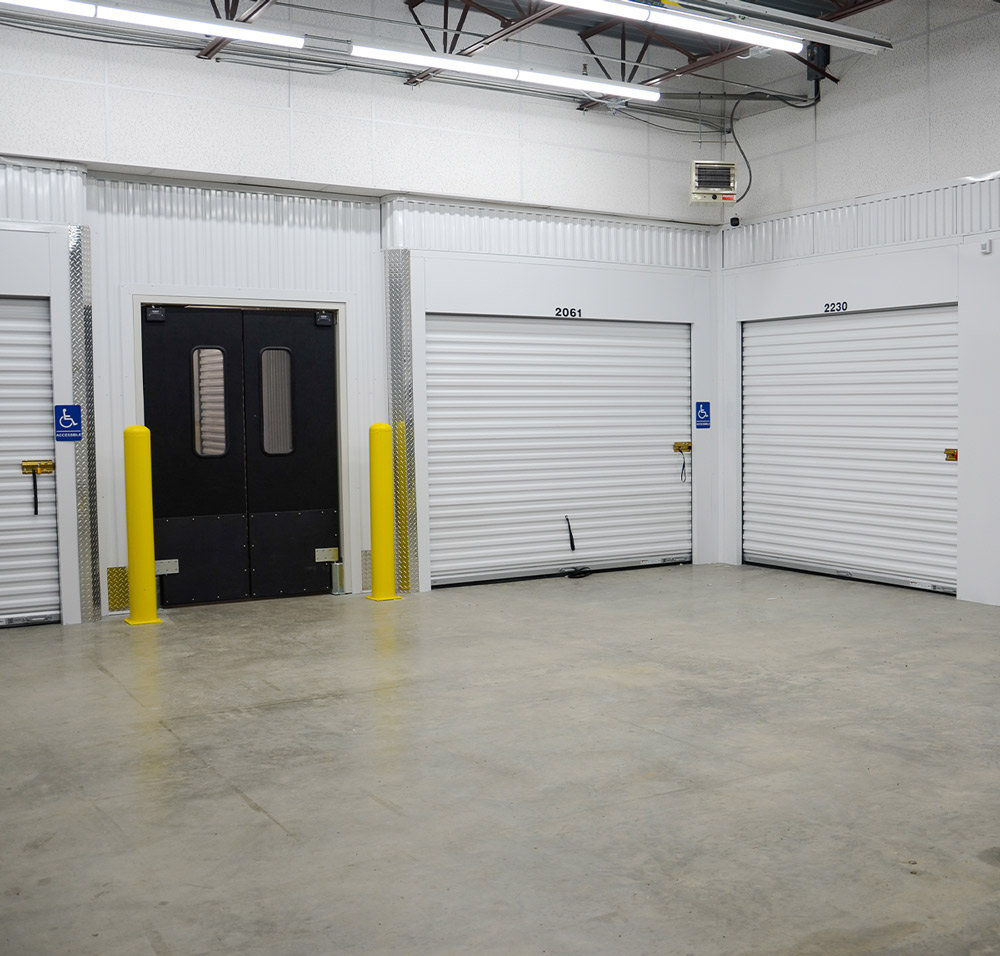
{"x":676,"y":761}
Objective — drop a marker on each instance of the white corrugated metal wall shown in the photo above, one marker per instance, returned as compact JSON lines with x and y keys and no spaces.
{"x":221,"y":242}
{"x":465,"y":228}
{"x":944,"y":212}
{"x":35,"y":191}
{"x":145,"y":235}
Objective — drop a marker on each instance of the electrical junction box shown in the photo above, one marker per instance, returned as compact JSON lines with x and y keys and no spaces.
{"x":713,"y":182}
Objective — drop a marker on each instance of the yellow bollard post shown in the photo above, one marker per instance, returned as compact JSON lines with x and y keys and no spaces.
{"x":383,"y":550}
{"x":139,"y":521}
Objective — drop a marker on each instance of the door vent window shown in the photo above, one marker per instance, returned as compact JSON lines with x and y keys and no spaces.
{"x":276,"y":401}
{"x":210,"y":440}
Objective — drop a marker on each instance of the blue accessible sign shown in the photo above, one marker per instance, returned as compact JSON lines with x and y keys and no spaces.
{"x":702,"y":414}
{"x":69,"y":423}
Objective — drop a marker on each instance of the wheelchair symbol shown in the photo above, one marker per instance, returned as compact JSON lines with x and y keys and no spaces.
{"x":66,"y":420}
{"x":702,"y":414}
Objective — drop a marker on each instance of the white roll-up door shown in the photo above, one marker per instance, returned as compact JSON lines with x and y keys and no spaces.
{"x":29,"y":556}
{"x":535,"y":421}
{"x":845,"y":424}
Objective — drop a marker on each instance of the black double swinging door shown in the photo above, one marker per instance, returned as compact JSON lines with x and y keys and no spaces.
{"x":241,"y":408}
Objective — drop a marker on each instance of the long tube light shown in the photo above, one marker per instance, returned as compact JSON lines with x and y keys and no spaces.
{"x":69,"y":7}
{"x":428,"y":61}
{"x":216,"y":28}
{"x":464,"y":64}
{"x":689,"y":23}
{"x":565,"y":82}
{"x":806,"y":28}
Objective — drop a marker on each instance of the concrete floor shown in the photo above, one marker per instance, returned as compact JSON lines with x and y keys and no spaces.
{"x":690,"y":760}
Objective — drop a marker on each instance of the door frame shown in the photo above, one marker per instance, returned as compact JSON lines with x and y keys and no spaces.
{"x":348,"y":482}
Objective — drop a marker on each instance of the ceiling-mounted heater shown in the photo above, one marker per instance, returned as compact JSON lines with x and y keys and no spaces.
{"x":713,"y":182}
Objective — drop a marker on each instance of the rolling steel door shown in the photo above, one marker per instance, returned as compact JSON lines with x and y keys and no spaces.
{"x":550,"y":445}
{"x":845,"y":424}
{"x":29,"y":554}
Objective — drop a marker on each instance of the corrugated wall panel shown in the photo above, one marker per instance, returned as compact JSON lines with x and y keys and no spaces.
{"x":219,"y":241}
{"x":967,"y":208}
{"x":41,"y":192}
{"x":454,"y":227}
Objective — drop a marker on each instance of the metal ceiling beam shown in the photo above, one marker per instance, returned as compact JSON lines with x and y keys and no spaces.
{"x":773,"y":18}
{"x":469,"y":3}
{"x":650,"y":33}
{"x":217,"y":46}
{"x":722,"y":56}
{"x":856,"y":8}
{"x":510,"y":30}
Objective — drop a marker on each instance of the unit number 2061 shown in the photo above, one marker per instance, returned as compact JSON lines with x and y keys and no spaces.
{"x":569,"y":313}
{"x":835,"y":307}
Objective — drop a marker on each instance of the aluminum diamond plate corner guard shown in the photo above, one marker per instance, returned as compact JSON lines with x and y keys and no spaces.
{"x":82,"y":335}
{"x":399,"y":338}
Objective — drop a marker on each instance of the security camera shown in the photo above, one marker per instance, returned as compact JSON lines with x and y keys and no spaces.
{"x":735,"y":221}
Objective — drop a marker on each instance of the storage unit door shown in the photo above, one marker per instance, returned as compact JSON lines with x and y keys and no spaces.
{"x":845,"y":424}
{"x":550,"y":445}
{"x":29,"y":554}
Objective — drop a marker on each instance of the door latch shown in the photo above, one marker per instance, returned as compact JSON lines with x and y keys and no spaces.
{"x":951,"y":454}
{"x":36,"y":468}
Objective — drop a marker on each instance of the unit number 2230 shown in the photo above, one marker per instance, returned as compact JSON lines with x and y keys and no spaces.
{"x":835,"y":307}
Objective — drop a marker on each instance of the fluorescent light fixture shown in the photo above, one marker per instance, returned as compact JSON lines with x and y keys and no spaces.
{"x":690,"y":23}
{"x":612,"y":8}
{"x":564,"y":82}
{"x":770,"y":19}
{"x":464,"y":64}
{"x":69,"y":7}
{"x":212,"y":28}
{"x":725,"y":31}
{"x":456,"y":64}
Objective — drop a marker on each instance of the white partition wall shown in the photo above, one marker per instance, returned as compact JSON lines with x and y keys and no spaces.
{"x":932,"y":250}
{"x":226,"y":245}
{"x":539,"y":278}
{"x":39,"y":371}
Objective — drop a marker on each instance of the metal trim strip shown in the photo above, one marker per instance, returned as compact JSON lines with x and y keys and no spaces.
{"x":400,"y":348}
{"x":82,"y":334}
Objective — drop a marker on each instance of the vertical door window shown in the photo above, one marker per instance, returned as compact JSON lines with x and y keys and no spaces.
{"x":208,"y":366}
{"x":276,"y":401}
